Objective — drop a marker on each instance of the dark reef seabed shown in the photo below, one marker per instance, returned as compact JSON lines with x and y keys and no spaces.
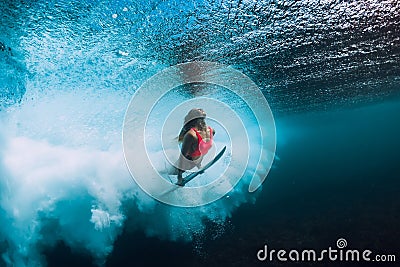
{"x":338,"y":178}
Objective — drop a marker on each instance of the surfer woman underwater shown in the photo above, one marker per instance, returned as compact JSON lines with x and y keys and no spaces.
{"x":197,"y":139}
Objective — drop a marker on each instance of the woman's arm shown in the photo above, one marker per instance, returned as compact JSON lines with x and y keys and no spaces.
{"x":187,"y":148}
{"x":188,"y":144}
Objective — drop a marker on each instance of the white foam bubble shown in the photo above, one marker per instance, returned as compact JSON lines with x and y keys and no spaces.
{"x":63,"y":174}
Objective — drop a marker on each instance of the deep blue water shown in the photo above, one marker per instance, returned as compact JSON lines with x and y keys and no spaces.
{"x":337,"y":177}
{"x":329,"y":70}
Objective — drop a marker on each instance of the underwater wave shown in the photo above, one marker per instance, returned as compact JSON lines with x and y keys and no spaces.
{"x":69,"y":69}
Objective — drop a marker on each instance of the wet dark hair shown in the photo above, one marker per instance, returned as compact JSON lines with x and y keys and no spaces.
{"x":194,"y":118}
